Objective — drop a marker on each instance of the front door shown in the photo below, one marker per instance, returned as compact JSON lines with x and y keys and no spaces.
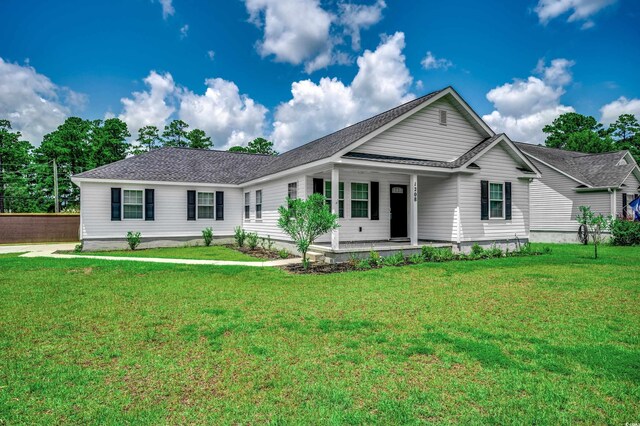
{"x":398,"y":201}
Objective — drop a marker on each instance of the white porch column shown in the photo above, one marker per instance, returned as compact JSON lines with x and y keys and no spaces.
{"x":413,"y":210}
{"x":335,"y":205}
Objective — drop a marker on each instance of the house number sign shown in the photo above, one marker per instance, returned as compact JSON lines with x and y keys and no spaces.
{"x":415,"y":192}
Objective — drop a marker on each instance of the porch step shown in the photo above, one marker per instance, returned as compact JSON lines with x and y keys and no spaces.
{"x":315,"y":256}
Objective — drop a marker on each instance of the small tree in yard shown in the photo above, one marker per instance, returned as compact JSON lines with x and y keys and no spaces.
{"x":306,"y":220}
{"x":595,"y":225}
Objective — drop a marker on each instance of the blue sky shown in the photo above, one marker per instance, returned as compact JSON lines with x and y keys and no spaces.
{"x":293,"y":70}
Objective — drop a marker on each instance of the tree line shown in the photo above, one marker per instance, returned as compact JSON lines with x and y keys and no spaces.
{"x":77,"y":145}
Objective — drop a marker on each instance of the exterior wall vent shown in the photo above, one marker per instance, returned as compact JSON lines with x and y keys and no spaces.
{"x":443,"y":117}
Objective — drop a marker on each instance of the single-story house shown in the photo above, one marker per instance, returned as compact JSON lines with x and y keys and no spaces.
{"x":606,"y":182}
{"x":428,"y":171}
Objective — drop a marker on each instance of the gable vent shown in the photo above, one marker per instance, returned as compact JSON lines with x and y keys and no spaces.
{"x":443,"y":117}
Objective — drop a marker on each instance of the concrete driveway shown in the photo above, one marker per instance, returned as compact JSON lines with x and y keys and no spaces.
{"x":37,"y":248}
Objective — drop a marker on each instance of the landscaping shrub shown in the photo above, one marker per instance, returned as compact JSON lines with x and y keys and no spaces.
{"x":78,"y":248}
{"x":266,"y":243}
{"x":374,"y":258}
{"x":252,"y":240}
{"x":133,"y":239}
{"x":363,"y":264}
{"x":239,"y":235}
{"x":207,"y":235}
{"x":416,"y":258}
{"x":283,"y":253}
{"x":493,"y":251}
{"x":625,"y":232}
{"x":395,"y":259}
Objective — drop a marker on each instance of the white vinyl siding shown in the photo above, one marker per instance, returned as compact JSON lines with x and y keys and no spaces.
{"x":437,"y":208}
{"x":206,"y":205}
{"x":274,"y":195}
{"x":170,"y":219}
{"x":422,"y":136}
{"x":132,"y":205}
{"x":555,"y":202}
{"x":497,"y":166}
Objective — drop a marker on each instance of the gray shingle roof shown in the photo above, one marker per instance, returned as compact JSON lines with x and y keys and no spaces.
{"x":595,"y":170}
{"x":183,"y":165}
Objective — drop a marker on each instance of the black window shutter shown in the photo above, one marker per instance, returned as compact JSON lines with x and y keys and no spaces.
{"x":191,"y":205}
{"x":116,"y":203}
{"x":375,"y":201}
{"x":219,"y":205}
{"x":624,"y":205}
{"x":484,"y":200}
{"x":149,"y":210}
{"x":507,"y":200}
{"x":318,"y":186}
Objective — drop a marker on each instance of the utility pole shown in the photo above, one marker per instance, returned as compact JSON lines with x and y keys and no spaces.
{"x":55,"y":186}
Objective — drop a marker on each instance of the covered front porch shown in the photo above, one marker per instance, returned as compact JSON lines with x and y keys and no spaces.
{"x":385,"y":208}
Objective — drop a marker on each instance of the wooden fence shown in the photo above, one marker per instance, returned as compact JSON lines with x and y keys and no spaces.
{"x":38,"y":227}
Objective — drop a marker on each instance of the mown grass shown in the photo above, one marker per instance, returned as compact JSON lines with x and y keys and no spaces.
{"x":547,"y":340}
{"x":189,"y":252}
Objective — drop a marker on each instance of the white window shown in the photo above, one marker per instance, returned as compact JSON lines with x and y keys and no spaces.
{"x":259,"y":204}
{"x":359,"y":199}
{"x":247,"y":205}
{"x":292,"y":190}
{"x":205,"y":205}
{"x":496,"y":200}
{"x":328,"y":196}
{"x":132,"y":204}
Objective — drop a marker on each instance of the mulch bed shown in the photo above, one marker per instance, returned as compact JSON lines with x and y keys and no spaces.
{"x":260,"y":253}
{"x":321,"y":268}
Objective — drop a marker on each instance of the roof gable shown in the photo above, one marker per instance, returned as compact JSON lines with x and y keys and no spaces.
{"x":591,"y":170}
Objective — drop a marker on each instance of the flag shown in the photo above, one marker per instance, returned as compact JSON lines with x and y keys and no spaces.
{"x":635,"y":208}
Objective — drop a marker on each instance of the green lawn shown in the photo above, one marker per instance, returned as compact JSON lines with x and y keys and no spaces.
{"x":550,"y":339}
{"x":192,"y":252}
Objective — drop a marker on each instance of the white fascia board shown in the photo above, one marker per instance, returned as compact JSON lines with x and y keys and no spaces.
{"x":78,"y":181}
{"x":595,"y":189}
{"x":396,"y":166}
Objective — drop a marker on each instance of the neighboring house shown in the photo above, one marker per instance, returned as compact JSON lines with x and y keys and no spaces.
{"x":429,"y":170}
{"x":606,"y":182}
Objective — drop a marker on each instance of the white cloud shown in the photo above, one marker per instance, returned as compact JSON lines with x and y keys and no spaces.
{"x":430,"y":62}
{"x":211,"y":54}
{"x":167,"y":8}
{"x":230,"y":118}
{"x":524,"y":107}
{"x":184,"y":31}
{"x":611,"y":111}
{"x":295,"y":31}
{"x":32,"y":102}
{"x":301,"y":32}
{"x":558,"y":73}
{"x":355,"y":17}
{"x":382,"y":82}
{"x":152,"y":107}
{"x":580,"y":10}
